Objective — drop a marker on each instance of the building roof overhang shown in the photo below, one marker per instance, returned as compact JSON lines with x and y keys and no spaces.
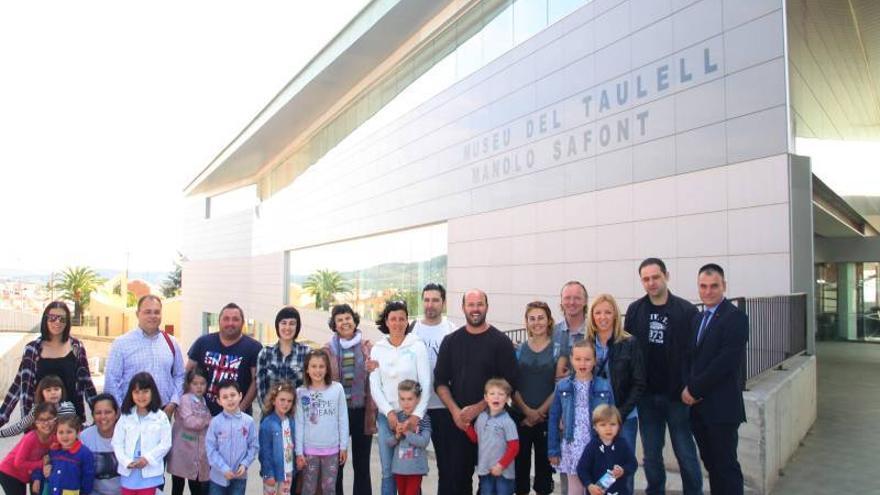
{"x":371,"y":37}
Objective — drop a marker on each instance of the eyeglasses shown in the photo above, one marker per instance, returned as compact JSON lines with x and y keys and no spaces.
{"x":44,"y":421}
{"x":54,"y":318}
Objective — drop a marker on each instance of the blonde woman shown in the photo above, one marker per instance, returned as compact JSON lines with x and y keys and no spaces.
{"x":619,"y":374}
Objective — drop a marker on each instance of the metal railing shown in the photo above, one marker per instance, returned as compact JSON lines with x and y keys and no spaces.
{"x":777,"y":330}
{"x":19,"y":321}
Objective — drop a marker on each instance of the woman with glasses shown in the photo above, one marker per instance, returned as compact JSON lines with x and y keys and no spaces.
{"x":54,"y":352}
{"x":401,"y":355}
{"x":350,"y":365}
{"x":619,"y":374}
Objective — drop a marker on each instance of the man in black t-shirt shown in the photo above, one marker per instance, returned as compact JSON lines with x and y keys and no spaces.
{"x":467,"y":359}
{"x":227,"y":355}
{"x":661,"y":323}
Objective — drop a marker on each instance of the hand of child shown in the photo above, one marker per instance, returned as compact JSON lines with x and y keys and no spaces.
{"x":35,"y":486}
{"x":47,"y":470}
{"x":392,"y":421}
{"x":400,"y":430}
{"x":300,"y":462}
{"x":595,"y":489}
{"x":229,"y":475}
{"x":554,"y":460}
{"x":496,"y":470}
{"x":343,"y":455}
{"x":241,"y":472}
{"x":617,"y":472}
{"x":412,"y":423}
{"x":269,"y":481}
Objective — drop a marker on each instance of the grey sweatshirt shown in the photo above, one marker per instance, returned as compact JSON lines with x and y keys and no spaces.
{"x":321,"y":420}
{"x":410,"y":456}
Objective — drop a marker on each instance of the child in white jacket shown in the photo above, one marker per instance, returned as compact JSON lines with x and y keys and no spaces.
{"x":141,"y":438}
{"x":401,"y":356}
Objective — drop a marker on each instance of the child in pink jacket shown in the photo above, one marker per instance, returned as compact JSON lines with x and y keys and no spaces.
{"x":188,"y":459}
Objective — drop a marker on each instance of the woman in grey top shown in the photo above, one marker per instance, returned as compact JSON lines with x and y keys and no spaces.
{"x":539,"y":361}
{"x":97,"y":438}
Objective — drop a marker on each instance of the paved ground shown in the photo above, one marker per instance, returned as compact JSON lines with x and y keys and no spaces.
{"x":840,"y":453}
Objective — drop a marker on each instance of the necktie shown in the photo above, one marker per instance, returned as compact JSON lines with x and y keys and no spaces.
{"x":707,"y":315}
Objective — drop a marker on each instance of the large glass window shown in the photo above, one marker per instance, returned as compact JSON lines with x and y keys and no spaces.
{"x":478,"y":37}
{"x":848,"y":301}
{"x":367,"y":272}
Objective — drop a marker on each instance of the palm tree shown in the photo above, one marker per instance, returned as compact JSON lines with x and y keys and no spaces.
{"x":324,"y":285}
{"x":77,"y":284}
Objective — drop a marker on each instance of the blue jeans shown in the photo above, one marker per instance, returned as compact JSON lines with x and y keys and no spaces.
{"x":495,"y":485}
{"x":656,"y":411}
{"x":236,"y":487}
{"x":386,"y":455}
{"x":628,"y":433}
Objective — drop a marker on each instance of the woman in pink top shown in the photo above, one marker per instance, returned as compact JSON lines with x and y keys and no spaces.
{"x":27,"y":455}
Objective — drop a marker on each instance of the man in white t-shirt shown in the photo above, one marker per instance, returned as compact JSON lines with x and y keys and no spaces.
{"x":432,"y":328}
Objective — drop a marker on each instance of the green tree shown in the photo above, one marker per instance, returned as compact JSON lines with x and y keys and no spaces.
{"x":171,"y":285}
{"x":324,"y":285}
{"x":77,"y":284}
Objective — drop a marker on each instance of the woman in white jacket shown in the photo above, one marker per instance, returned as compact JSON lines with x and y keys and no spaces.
{"x":401,"y":356}
{"x":141,"y":438}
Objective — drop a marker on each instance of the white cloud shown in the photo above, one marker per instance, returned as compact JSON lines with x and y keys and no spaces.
{"x":110,"y":108}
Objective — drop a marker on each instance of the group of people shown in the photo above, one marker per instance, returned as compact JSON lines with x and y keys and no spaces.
{"x":572,"y":397}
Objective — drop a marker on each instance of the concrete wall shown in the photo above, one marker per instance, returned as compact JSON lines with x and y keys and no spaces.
{"x":254,"y":283}
{"x":12,"y":344}
{"x":780,"y":408}
{"x":849,"y":250}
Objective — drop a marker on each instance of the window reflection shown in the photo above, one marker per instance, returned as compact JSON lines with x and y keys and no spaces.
{"x":476,"y":39}
{"x":529,"y":17}
{"x":557,"y":9}
{"x":365,"y":273}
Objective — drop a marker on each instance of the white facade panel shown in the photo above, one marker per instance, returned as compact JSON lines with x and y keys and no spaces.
{"x":624,"y":130}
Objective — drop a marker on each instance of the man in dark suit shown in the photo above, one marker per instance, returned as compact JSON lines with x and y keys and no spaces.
{"x":714,"y":381}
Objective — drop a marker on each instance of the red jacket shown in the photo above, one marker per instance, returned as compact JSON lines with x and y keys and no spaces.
{"x":26,"y":456}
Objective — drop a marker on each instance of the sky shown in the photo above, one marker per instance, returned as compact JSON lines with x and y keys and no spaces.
{"x":849,"y":168}
{"x":109,"y":109}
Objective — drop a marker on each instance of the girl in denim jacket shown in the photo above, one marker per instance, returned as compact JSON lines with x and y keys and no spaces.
{"x":277,"y":452}
{"x":570,"y":414}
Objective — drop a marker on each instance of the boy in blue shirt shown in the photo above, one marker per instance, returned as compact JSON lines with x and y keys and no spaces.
{"x":607,"y":462}
{"x":71,"y":466}
{"x":231,"y":443}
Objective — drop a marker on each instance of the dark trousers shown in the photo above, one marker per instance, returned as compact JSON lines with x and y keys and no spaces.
{"x":533,"y":437}
{"x":462,"y":463}
{"x":442,"y":428}
{"x":361,"y":444}
{"x":717,"y":443}
{"x":195,"y":487}
{"x":12,"y":486}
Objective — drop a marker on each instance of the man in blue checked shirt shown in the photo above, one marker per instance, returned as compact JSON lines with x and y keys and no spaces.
{"x":147,"y":348}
